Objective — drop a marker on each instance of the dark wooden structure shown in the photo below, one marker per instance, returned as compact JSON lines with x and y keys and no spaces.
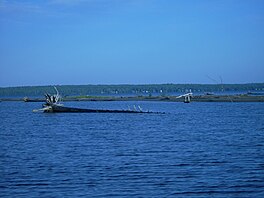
{"x":52,"y":105}
{"x":62,"y":109}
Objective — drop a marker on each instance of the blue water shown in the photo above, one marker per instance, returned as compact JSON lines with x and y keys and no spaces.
{"x":194,"y":150}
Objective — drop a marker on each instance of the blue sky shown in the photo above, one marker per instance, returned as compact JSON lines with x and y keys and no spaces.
{"x":46,"y":42}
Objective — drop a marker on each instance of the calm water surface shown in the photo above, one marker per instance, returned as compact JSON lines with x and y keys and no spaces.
{"x":194,"y":150}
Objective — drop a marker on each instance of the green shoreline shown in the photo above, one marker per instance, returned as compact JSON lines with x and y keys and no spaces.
{"x":126,"y":90}
{"x":196,"y":98}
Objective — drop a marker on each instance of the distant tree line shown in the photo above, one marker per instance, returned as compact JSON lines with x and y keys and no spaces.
{"x":162,"y":89}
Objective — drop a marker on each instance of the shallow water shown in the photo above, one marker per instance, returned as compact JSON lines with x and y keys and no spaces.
{"x":193,"y":150}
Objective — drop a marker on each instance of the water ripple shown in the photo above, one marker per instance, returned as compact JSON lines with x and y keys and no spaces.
{"x":196,"y":150}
